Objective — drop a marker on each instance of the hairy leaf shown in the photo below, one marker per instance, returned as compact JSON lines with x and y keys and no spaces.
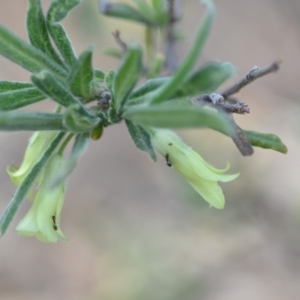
{"x":108,"y":79}
{"x":58,"y":11}
{"x":168,"y":116}
{"x":124,"y":11}
{"x":205,"y":80}
{"x":52,"y":88}
{"x":127,"y":75}
{"x":266,"y":141}
{"x":99,"y":74}
{"x":17,"y":98}
{"x":30,"y":121}
{"x":37,"y":30}
{"x":81,"y":75}
{"x":26,"y":55}
{"x":141,"y":138}
{"x":6,"y":86}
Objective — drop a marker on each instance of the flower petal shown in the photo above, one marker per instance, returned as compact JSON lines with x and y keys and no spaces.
{"x":210,"y":191}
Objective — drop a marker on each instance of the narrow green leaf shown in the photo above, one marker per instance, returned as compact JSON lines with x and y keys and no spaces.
{"x":205,"y":80}
{"x":25,"y":55}
{"x":14,"y":99}
{"x":108,"y":79}
{"x":81,"y":75}
{"x":141,"y":138}
{"x":181,"y":75}
{"x":124,"y":11}
{"x":58,"y":11}
{"x":146,"y":10}
{"x":52,"y":88}
{"x":6,"y":86}
{"x":160,"y":7}
{"x":79,"y":148}
{"x":266,"y":141}
{"x":37,"y":30}
{"x":76,"y":120}
{"x":31,"y":121}
{"x":148,"y":86}
{"x":13,"y":206}
{"x":99,"y":74}
{"x":113,"y":52}
{"x":127,"y":76}
{"x":169,"y":116}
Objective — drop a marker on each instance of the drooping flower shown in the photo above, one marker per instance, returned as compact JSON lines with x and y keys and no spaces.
{"x":202,"y":176}
{"x":38,"y":143}
{"x":43,"y":218}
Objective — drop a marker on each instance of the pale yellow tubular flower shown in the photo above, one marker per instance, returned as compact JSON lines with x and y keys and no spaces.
{"x":38,"y":143}
{"x":201,"y":175}
{"x":43,"y":218}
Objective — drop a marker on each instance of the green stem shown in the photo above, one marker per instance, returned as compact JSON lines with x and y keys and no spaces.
{"x":65,"y":143}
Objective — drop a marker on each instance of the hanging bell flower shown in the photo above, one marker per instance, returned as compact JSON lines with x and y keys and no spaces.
{"x":202,"y":176}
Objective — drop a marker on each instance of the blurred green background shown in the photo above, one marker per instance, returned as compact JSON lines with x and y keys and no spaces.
{"x":137,"y":230}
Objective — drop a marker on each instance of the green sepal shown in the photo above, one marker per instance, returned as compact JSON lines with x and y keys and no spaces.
{"x":170,"y":116}
{"x":13,"y":206}
{"x":13,"y":99}
{"x":141,"y":138}
{"x":26,"y":55}
{"x":58,"y":11}
{"x":127,"y":75}
{"x":37,"y":30}
{"x":124,"y":11}
{"x":266,"y":141}
{"x":31,"y":121}
{"x":81,"y":75}
{"x":77,"y":120}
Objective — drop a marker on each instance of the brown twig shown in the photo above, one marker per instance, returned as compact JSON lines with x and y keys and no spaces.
{"x":231,"y":105}
{"x":170,"y":51}
{"x":228,"y":105}
{"x":117,"y":35}
{"x":226,"y":109}
{"x":252,"y":75}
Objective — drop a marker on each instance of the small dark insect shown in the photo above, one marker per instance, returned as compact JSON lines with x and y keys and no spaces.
{"x":170,"y":144}
{"x":54,"y":223}
{"x":169,"y":164}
